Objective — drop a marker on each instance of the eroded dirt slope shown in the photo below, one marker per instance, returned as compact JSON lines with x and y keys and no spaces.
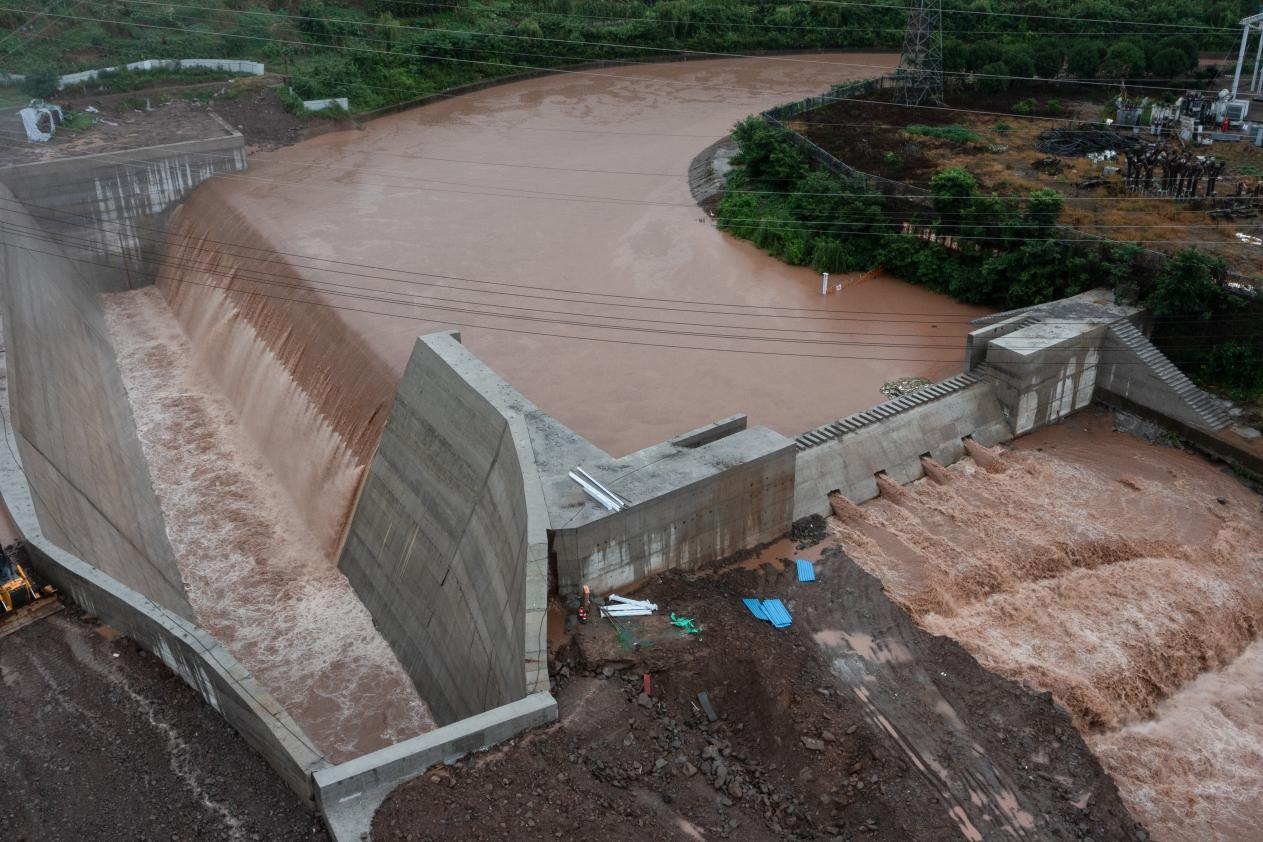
{"x":851,"y":724}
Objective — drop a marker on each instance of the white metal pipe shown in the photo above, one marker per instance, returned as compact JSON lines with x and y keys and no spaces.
{"x":595,"y":493}
{"x":606,"y":491}
{"x":1236,"y":78}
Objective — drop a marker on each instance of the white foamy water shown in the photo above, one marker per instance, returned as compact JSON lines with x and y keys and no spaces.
{"x":257,"y":577}
{"x":1108,"y":572}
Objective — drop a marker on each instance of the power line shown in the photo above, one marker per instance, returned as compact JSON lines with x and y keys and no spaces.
{"x":166,"y":239}
{"x":259,"y":277}
{"x":894,"y":220}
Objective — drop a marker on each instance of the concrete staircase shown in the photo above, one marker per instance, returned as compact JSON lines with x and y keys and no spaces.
{"x":1208,"y":409}
{"x":859,"y":420}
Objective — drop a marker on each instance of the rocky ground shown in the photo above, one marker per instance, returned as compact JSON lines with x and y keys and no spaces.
{"x":852,"y":724}
{"x":99,"y":741}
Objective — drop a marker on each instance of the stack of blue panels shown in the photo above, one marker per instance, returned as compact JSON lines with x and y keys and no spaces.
{"x":770,"y":610}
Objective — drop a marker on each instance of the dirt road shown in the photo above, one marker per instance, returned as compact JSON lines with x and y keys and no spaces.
{"x":100,"y":741}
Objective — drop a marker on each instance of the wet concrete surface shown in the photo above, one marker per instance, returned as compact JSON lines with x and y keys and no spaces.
{"x":100,"y":742}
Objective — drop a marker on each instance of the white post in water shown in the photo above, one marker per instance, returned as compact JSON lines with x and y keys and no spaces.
{"x":824,"y":283}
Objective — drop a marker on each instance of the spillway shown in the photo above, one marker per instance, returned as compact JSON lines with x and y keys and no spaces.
{"x":1123,"y":577}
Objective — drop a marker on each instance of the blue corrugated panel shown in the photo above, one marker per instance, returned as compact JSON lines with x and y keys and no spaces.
{"x":755,"y":608}
{"x":806,"y":571}
{"x":776,"y":613}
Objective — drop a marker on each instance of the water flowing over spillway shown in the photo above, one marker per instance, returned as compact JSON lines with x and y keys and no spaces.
{"x":1108,"y":572}
{"x":259,"y":581}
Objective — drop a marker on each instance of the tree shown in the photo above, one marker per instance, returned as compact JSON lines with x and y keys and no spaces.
{"x":1043,"y":207}
{"x":1186,"y":286}
{"x":1122,"y":60}
{"x":1048,"y":62}
{"x":953,"y":190}
{"x":40,"y":83}
{"x":765,"y":153}
{"x":1084,"y":60}
{"x":994,"y":78}
{"x":1185,"y":44}
{"x":1017,"y":59}
{"x":1168,"y":63}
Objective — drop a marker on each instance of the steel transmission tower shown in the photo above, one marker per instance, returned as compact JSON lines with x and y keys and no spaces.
{"x":921,"y":67}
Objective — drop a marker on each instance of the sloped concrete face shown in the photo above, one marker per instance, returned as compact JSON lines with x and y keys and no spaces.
{"x":437,"y":548}
{"x":75,"y":431}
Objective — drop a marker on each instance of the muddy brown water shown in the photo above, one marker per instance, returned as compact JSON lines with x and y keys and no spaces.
{"x":511,"y":214}
{"x":1108,"y":572}
{"x":595,"y":206}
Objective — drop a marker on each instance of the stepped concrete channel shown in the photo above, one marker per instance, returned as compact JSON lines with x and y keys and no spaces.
{"x":467,"y":507}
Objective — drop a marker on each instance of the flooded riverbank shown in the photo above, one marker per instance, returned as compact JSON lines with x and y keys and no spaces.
{"x":1122,"y":577}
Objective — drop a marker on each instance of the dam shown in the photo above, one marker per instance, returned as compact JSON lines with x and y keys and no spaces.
{"x":309,"y":434}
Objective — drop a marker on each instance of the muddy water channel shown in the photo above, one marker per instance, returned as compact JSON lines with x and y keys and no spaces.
{"x":1124,"y":578}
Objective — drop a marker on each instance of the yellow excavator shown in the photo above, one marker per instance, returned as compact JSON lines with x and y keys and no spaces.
{"x":17,"y":588}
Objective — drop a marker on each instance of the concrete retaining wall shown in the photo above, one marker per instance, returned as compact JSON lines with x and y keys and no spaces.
{"x":850,"y":462}
{"x":73,"y":424}
{"x":700,"y":503}
{"x":351,"y":792}
{"x":437,"y":546}
{"x":248,"y":68}
{"x":1125,"y":374}
{"x":110,"y":210}
{"x":185,"y":648}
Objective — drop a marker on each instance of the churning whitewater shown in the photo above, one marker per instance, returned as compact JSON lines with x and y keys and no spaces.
{"x":1124,"y":578}
{"x":259,"y":581}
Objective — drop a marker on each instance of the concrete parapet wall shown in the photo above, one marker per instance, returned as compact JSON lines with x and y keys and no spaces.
{"x":351,"y":792}
{"x":184,"y":647}
{"x":109,"y":210}
{"x":437,"y":547}
{"x":695,"y":504}
{"x":72,"y":421}
{"x":850,"y":462}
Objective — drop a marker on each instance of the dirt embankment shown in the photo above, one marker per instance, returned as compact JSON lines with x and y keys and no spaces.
{"x":851,"y":724}
{"x":100,"y":741}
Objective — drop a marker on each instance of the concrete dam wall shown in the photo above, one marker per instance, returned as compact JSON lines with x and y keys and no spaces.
{"x":74,"y":427}
{"x":437,"y":548}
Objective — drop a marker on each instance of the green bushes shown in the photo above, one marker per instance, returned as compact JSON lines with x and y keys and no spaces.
{"x":40,"y":83}
{"x":1005,"y":255}
{"x":1235,"y":366}
{"x":954,"y":133}
{"x":1186,"y":287}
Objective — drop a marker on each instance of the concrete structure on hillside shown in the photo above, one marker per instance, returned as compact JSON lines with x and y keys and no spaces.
{"x":109,"y":210}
